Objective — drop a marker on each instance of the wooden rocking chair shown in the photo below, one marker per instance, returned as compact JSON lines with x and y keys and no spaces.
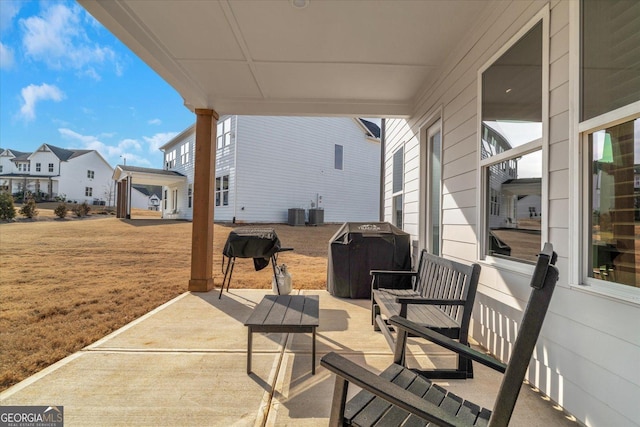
{"x":400,"y":396}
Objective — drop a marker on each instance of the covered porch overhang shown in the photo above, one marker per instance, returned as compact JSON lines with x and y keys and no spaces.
{"x":302,"y":58}
{"x":125,"y":176}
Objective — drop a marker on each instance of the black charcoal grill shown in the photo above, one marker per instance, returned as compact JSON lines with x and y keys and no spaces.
{"x":262,"y":244}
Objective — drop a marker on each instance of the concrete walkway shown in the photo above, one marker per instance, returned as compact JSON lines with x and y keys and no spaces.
{"x":184,"y":364}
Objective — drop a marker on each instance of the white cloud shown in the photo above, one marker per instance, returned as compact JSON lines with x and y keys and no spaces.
{"x":6,"y":57}
{"x":155,"y":122}
{"x":8,"y":11}
{"x":57,"y":38}
{"x":124,"y":149}
{"x":33,"y":94}
{"x":158,"y":140}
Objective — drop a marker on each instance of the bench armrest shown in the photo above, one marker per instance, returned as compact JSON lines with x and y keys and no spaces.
{"x":392,"y":393}
{"x":449,"y":344}
{"x":429,"y":301}
{"x":393,"y":272}
{"x":379,"y":274}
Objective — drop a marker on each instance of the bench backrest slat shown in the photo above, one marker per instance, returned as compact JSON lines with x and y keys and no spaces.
{"x":440,"y":278}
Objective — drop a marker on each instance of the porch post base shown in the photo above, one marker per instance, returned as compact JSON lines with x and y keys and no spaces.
{"x":200,"y":285}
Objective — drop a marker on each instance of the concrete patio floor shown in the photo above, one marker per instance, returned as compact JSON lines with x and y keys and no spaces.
{"x":184,"y":364}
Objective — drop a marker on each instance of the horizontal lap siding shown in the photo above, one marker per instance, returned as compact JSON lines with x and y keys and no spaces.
{"x":589,"y":344}
{"x":184,"y":211}
{"x":225,"y":158}
{"x":287,"y":162}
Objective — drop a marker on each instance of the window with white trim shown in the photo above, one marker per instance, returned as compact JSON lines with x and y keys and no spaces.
{"x":190,"y":195}
{"x":174,"y":200}
{"x":338,"y":157}
{"x":88,"y":191}
{"x":222,"y":190}
{"x":91,"y":174}
{"x":170,"y":159}
{"x":38,"y":167}
{"x":397,"y":186}
{"x":610,"y":138}
{"x":511,"y":149}
{"x":184,"y":153}
{"x":223,"y":133}
{"x":51,"y":167}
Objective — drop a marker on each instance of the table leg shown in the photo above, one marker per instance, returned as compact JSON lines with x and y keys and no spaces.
{"x":249,"y":339}
{"x":313,"y":352}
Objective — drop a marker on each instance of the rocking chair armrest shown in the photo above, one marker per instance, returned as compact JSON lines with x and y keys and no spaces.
{"x":429,"y":301}
{"x":449,"y":344}
{"x":392,"y":393}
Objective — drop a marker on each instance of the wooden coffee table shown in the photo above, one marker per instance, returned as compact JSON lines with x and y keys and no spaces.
{"x":285,"y":313}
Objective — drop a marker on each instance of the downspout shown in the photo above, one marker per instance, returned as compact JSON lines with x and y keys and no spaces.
{"x":382,"y":153}
{"x":235,"y":169}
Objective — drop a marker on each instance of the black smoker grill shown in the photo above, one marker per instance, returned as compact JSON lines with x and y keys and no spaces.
{"x":261,"y":244}
{"x":358,"y":248}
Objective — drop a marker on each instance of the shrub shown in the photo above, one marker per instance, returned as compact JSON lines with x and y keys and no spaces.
{"x":82,"y":209}
{"x":61,"y":210}
{"x":7,"y":210}
{"x":28,"y":209}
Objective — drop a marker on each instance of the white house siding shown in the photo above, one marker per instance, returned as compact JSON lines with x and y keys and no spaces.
{"x":225,"y":161}
{"x":73,"y":178}
{"x":288,"y":162}
{"x":590,"y":345}
{"x":183,"y":211}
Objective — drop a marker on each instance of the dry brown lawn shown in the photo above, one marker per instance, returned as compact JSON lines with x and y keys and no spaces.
{"x":67,"y":283}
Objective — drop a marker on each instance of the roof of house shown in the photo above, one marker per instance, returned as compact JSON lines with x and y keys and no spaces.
{"x":373,"y":128}
{"x":148,"y":190}
{"x":14,"y":153}
{"x":63,"y":154}
{"x":148,"y":170}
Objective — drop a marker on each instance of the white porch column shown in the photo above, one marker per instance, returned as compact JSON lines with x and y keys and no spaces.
{"x":203,"y":197}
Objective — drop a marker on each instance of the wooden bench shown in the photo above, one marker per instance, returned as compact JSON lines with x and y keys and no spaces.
{"x":400,"y":396}
{"x":441,"y":299}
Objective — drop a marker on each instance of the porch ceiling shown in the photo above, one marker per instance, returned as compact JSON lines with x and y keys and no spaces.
{"x":269,"y":57}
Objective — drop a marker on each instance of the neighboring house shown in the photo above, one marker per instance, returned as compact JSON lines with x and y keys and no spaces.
{"x":146,"y":197}
{"x":268,"y":165}
{"x":50,"y":172}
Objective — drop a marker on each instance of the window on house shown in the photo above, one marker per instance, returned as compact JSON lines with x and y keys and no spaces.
{"x":174,"y":200}
{"x":1,"y":168}
{"x":184,"y":153}
{"x":338,"y":157}
{"x":223,"y":133}
{"x":435,"y":191}
{"x":38,"y":167}
{"x":166,"y":196}
{"x":511,"y":149}
{"x":610,"y":126}
{"x":50,"y":167}
{"x":91,"y":174}
{"x":88,"y":191}
{"x":222,"y":190}
{"x":170,"y":160}
{"x":397,"y":187}
{"x":190,"y":195}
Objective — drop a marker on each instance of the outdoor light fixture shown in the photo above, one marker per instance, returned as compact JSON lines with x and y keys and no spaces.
{"x":299,"y":4}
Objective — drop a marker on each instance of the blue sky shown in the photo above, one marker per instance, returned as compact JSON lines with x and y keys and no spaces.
{"x":65,"y":80}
